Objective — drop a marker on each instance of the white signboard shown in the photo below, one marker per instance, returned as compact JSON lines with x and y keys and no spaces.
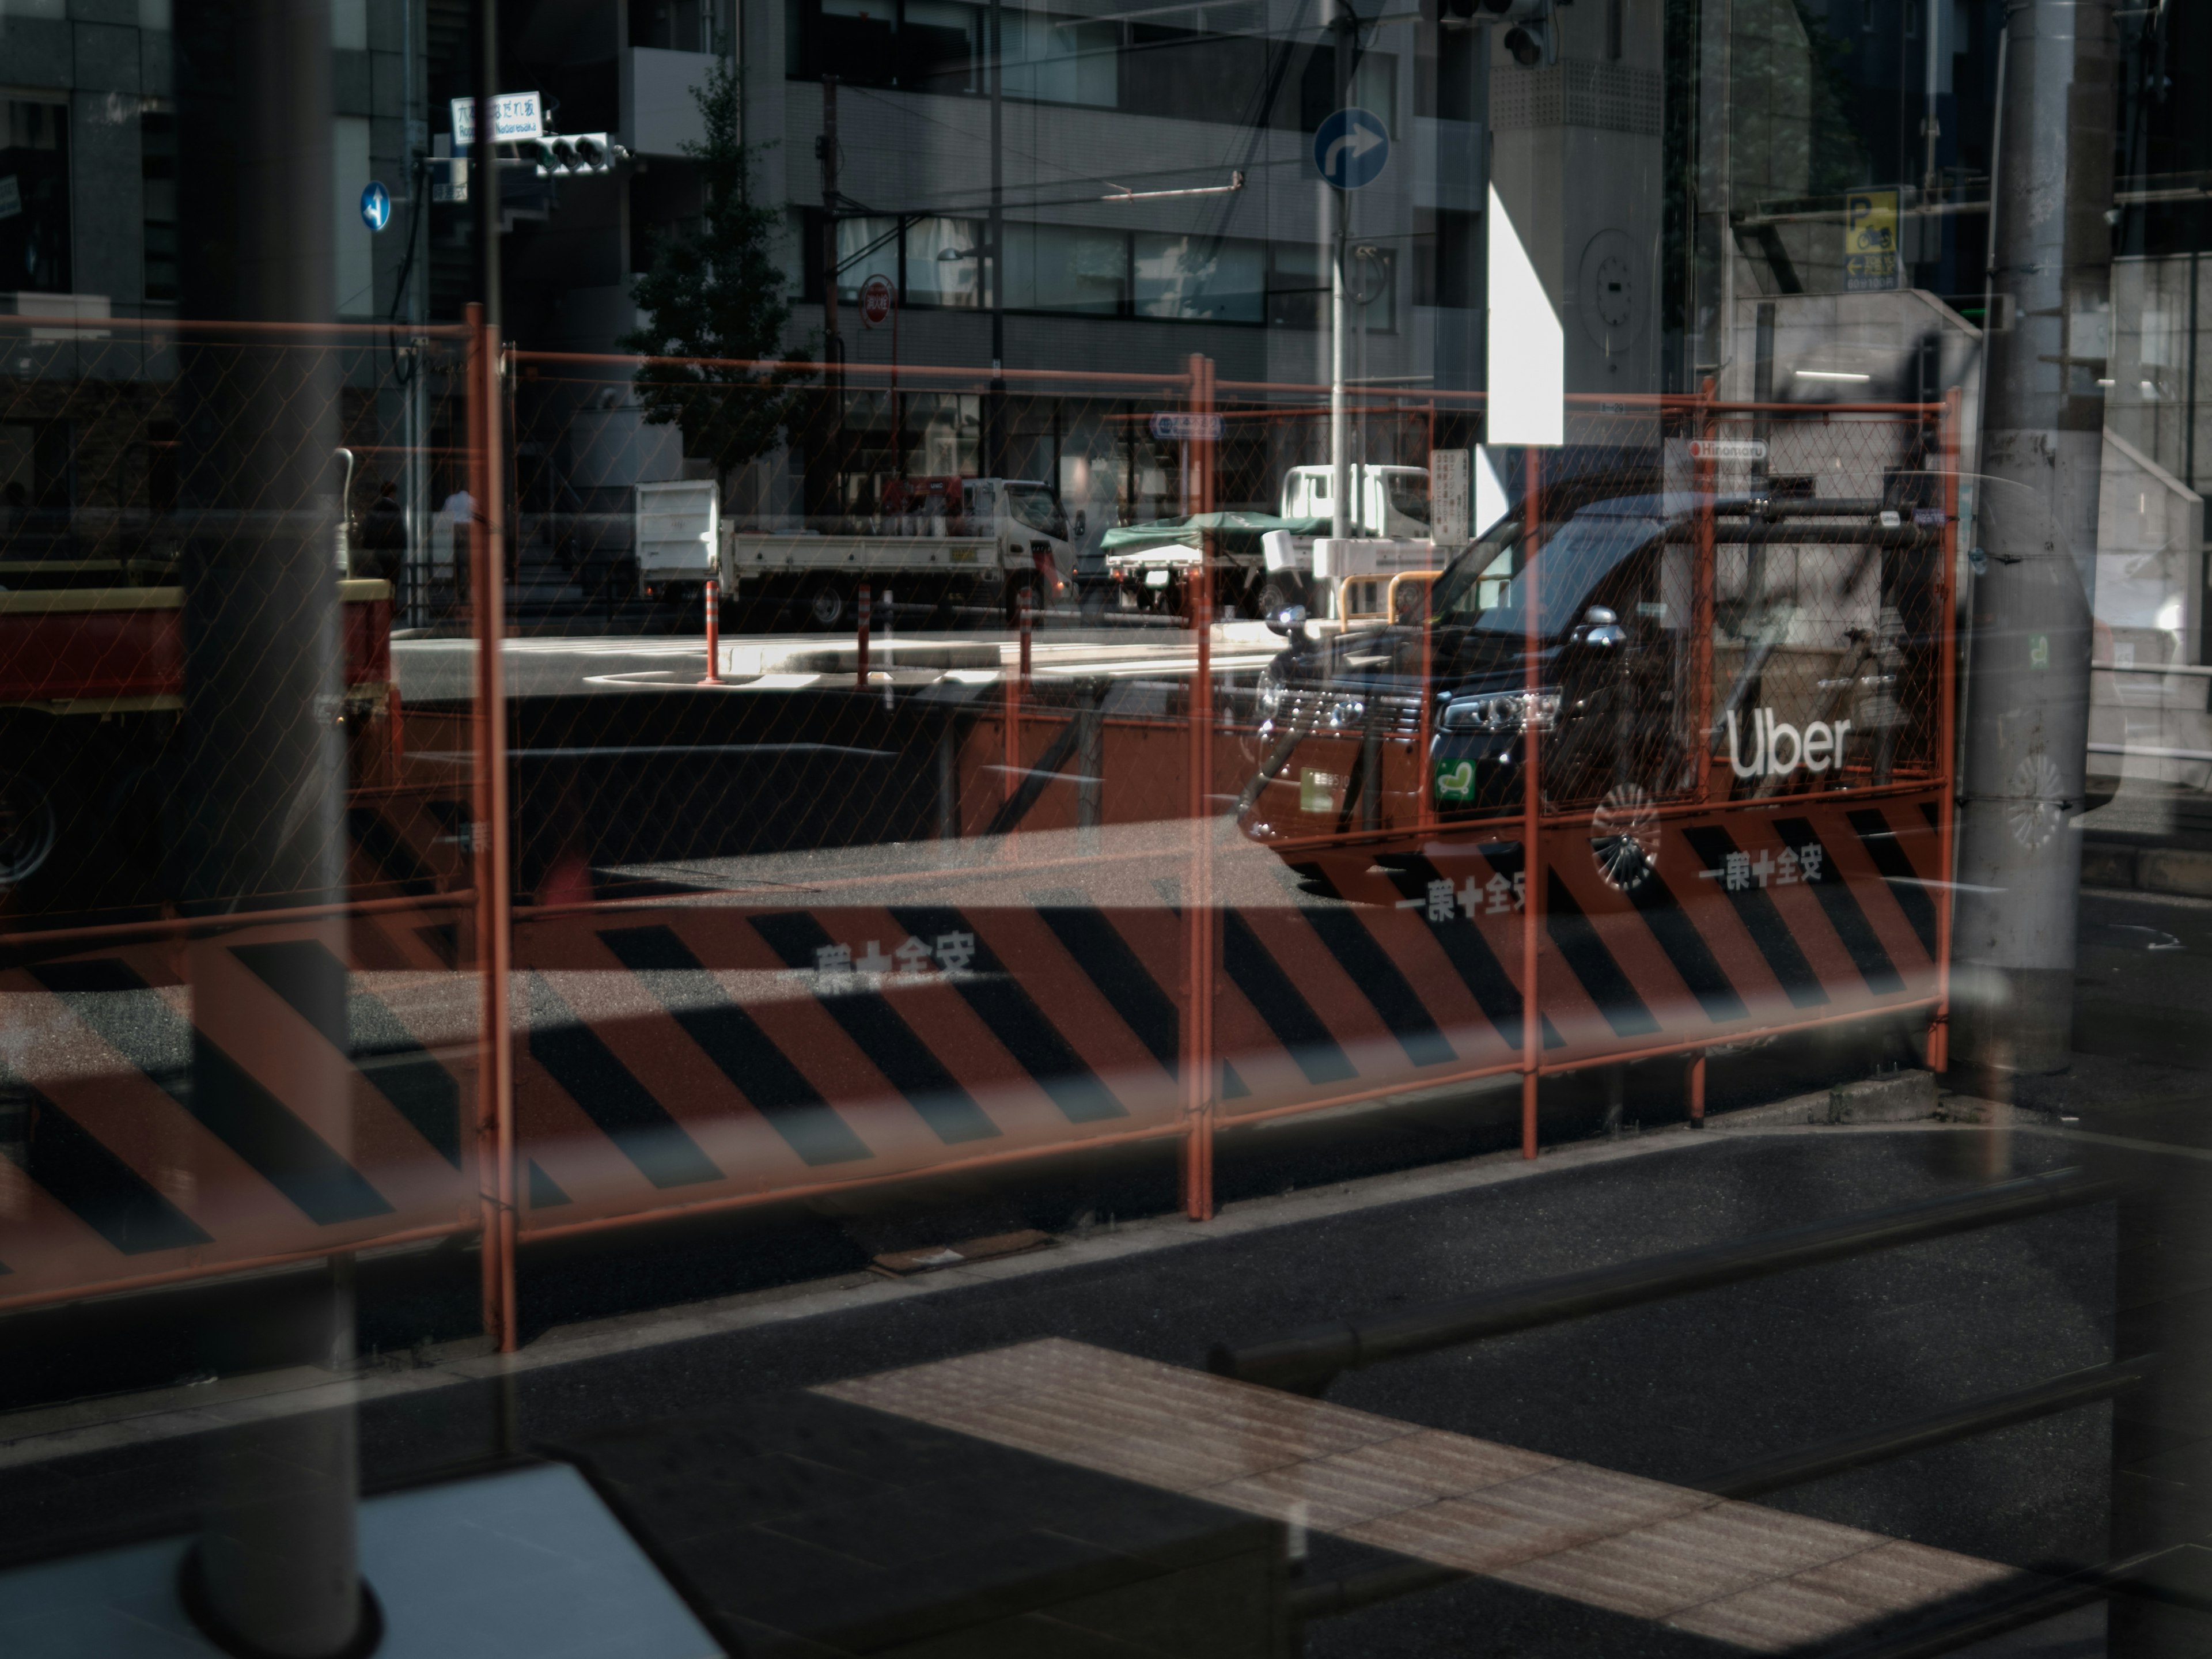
{"x":1727,"y":449}
{"x":1448,"y":490}
{"x":1491,"y":503}
{"x":1528,"y":347}
{"x":517,"y":117}
{"x":1186,"y":425}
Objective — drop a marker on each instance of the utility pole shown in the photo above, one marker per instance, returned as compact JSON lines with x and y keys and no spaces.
{"x":833,"y":346}
{"x":2027,"y":698}
{"x":994,"y":418}
{"x":261,"y":788}
{"x":1347,"y":26}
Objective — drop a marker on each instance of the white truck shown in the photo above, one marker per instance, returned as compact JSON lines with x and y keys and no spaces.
{"x":678,"y":528}
{"x":1389,"y":503}
{"x":949,"y":542}
{"x":1262,"y":564}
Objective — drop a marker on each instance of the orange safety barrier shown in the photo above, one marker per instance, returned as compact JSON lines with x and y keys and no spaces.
{"x":598,"y":1060}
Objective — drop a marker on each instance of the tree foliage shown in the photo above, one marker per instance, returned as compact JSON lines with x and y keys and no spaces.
{"x":716,"y":304}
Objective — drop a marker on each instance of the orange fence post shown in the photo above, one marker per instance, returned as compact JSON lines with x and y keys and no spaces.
{"x":1199,"y":919}
{"x":1532,"y":812}
{"x":1698,"y":1090}
{"x":1947,"y":806}
{"x":489,"y":844}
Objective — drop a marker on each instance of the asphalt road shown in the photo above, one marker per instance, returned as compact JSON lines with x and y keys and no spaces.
{"x":1673,"y":1391}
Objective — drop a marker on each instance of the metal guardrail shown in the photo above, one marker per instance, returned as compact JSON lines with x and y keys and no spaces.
{"x":2201,"y":671}
{"x":1306,"y":1361}
{"x":1902,"y":1439}
{"x":2028,"y":1598}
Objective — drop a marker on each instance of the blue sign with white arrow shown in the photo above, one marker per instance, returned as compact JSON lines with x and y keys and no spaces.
{"x":1351,"y":147}
{"x":375,"y":206}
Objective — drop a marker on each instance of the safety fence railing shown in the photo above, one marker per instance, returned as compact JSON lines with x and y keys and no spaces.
{"x":994,"y":868}
{"x":245,"y":905}
{"x":1310,"y":1360}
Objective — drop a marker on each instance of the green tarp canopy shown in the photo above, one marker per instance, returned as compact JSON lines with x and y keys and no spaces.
{"x":1234,"y":532}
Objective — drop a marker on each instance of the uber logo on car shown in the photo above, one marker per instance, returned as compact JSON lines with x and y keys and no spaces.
{"x":1819,"y":746}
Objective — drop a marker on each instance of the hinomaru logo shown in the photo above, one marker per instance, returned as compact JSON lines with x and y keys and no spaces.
{"x":1779,"y":748}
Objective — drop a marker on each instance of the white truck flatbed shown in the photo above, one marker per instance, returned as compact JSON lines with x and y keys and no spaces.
{"x":757,"y":556}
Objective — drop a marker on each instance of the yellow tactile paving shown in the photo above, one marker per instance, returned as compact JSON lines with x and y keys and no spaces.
{"x":1758,"y":1578}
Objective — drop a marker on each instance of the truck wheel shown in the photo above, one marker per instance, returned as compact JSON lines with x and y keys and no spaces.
{"x":825,"y":606}
{"x":28,"y":827}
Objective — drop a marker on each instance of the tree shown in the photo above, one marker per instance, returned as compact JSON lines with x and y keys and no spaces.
{"x":718,"y":303}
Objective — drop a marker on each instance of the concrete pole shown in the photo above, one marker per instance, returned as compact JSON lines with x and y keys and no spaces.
{"x":261,"y":797}
{"x":2028,"y":701}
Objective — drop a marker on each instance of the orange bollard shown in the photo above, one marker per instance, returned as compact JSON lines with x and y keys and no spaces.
{"x":860,"y":668}
{"x":713,"y":634}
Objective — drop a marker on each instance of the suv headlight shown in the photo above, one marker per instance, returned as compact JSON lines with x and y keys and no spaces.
{"x":1501,"y":711}
{"x":1270,"y":696}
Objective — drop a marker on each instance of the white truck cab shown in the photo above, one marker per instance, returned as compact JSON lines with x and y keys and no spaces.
{"x":1031,"y":530}
{"x":1390,"y":502}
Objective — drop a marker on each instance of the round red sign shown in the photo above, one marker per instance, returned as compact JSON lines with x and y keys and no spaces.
{"x":877,"y":296}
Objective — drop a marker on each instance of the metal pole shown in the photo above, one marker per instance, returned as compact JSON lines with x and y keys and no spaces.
{"x":1532,"y":812}
{"x":1989,"y":251}
{"x":1945,"y":619}
{"x":484,"y":169}
{"x":1701,"y":582}
{"x":994,"y":418}
{"x":833,"y":345}
{"x":416,"y":571}
{"x":2020,"y":867}
{"x":1198,"y":915}
{"x":2189,"y":428}
{"x":1012,"y":686}
{"x":1340,"y":517}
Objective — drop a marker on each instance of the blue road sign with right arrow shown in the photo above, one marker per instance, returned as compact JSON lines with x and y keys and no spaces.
{"x":1351,"y":147}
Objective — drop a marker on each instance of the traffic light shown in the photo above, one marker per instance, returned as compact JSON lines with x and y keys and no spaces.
{"x":563,"y":154}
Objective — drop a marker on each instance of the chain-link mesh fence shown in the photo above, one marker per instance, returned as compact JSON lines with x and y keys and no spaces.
{"x":939,"y":858}
{"x":237,"y":936}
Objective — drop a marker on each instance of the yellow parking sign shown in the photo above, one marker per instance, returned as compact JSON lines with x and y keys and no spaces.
{"x":1870,"y":241}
